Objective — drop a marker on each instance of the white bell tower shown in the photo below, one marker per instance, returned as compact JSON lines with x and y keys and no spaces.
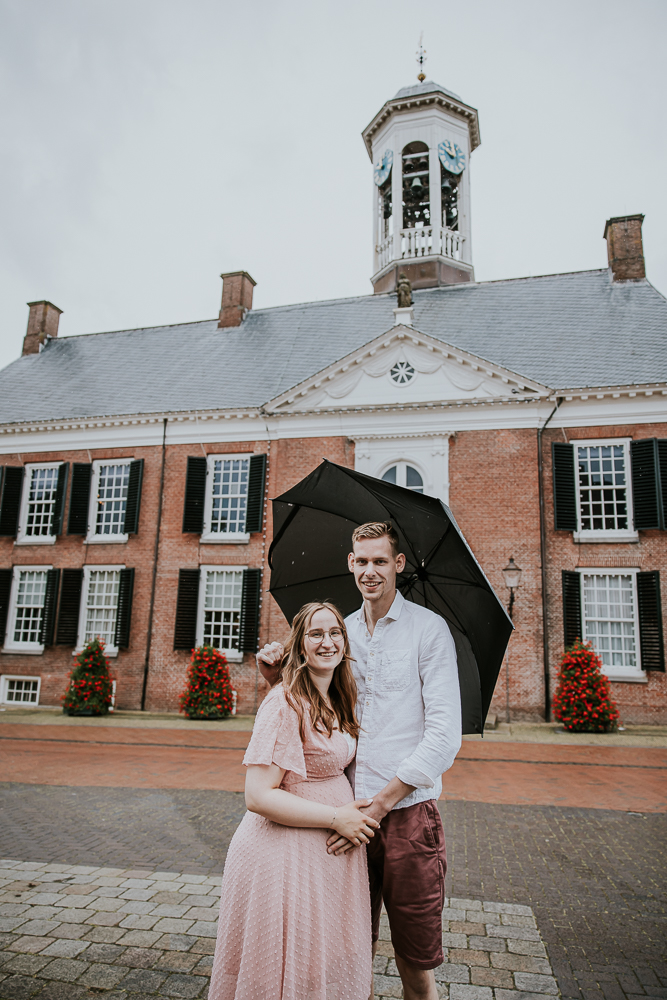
{"x":420,"y":144}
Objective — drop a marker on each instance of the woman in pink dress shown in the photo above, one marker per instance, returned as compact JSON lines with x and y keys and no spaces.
{"x":295,"y":921}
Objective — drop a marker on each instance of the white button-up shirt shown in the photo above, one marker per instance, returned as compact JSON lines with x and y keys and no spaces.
{"x":408,"y":701}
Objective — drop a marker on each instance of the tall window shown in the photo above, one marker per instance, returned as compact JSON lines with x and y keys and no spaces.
{"x":42,"y":486}
{"x":26,"y":609}
{"x":110,"y":498}
{"x":101,"y":605}
{"x":603,"y":490}
{"x":223,"y":591}
{"x":449,"y":184}
{"x":416,"y":186}
{"x":226,"y":498}
{"x":609,"y":619}
{"x":405,"y":475}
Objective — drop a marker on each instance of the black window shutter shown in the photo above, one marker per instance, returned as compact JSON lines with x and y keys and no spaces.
{"x":79,"y":501}
{"x":124,"y":613}
{"x":256,"y":480}
{"x":134,"y":497}
{"x":58,"y":510}
{"x":185,"y":631}
{"x":565,"y":491}
{"x":249,"y":625}
{"x":10,"y":499}
{"x":5,"y":591}
{"x":68,"y":613}
{"x":571,"y":607}
{"x":195,"y":494}
{"x":662,"y":467}
{"x":649,"y":608}
{"x":47,"y":630}
{"x":646,"y":493}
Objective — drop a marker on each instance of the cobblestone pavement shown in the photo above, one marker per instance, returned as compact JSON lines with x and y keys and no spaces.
{"x":594,"y":879}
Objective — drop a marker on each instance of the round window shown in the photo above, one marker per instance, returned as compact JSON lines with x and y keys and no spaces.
{"x":402,"y":373}
{"x":405,"y":475}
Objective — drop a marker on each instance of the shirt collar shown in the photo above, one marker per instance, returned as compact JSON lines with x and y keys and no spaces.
{"x":393,"y":613}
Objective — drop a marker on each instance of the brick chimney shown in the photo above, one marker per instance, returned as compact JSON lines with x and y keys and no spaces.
{"x":237,"y":289}
{"x":42,"y":323}
{"x":625,"y":251}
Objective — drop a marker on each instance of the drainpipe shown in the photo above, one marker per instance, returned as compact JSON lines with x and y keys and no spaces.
{"x":543,"y":558}
{"x":154,"y":581}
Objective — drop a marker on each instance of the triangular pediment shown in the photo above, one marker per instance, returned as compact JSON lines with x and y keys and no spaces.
{"x":406,"y":367}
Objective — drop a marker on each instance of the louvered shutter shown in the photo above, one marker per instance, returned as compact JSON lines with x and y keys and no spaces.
{"x":10,"y":499}
{"x":646,"y":493}
{"x":124,"y":612}
{"x":133,"y":502}
{"x":571,"y":607}
{"x":649,"y":607}
{"x":79,"y":501}
{"x":5,"y":591}
{"x":249,"y":625}
{"x":185,"y":631}
{"x":195,"y":495}
{"x":58,"y":511}
{"x":256,"y":480}
{"x":67,"y":630}
{"x":565,"y":490}
{"x":662,"y":468}
{"x":50,"y":603}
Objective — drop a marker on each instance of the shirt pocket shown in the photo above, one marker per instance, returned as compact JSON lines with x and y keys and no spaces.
{"x":395,"y":670}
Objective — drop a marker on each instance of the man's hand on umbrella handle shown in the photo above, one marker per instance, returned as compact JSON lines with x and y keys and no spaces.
{"x":269,"y":660}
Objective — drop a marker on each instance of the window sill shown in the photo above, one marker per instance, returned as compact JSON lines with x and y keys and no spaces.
{"x":23,"y":650}
{"x":108,"y":651}
{"x":223,"y":539}
{"x":606,"y":536}
{"x":628,"y":678}
{"x":232,"y":655}
{"x":36,"y":540}
{"x":106,"y":539}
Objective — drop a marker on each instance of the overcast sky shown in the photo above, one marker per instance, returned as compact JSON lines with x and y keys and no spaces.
{"x":148,"y":145}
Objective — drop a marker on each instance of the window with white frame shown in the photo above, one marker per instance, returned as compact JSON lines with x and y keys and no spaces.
{"x":609,"y":619}
{"x":26,"y":609}
{"x":603,"y":490}
{"x":417,"y":461}
{"x":15,"y":690}
{"x":226,"y":498}
{"x":99,"y":606}
{"x":108,"y":501}
{"x":219,"y":608}
{"x":38,"y":499}
{"x":403,"y":474}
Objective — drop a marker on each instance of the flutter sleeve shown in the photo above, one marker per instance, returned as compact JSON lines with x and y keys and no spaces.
{"x":275,"y":737}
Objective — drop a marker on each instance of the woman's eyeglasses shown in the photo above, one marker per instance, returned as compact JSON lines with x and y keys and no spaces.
{"x":318,"y":634}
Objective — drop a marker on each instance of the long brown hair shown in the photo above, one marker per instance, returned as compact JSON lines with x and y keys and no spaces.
{"x":299,"y":687}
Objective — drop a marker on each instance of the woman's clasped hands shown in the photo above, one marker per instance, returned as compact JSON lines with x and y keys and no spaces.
{"x":350,"y":822}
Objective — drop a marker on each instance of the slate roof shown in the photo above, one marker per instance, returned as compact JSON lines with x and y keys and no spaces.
{"x":563,"y":330}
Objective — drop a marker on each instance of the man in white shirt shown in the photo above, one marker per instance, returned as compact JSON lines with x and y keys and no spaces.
{"x":409,"y":708}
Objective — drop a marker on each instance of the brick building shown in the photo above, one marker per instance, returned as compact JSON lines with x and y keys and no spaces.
{"x":136,"y":465}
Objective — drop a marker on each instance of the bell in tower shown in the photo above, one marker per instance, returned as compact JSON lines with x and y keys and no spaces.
{"x":420,"y":143}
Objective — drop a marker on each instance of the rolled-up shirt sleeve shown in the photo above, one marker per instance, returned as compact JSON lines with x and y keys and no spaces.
{"x":438,"y":673}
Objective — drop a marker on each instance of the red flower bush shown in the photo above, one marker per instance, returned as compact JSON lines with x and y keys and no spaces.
{"x":209,"y":690}
{"x":583,"y":700}
{"x":90,"y":685}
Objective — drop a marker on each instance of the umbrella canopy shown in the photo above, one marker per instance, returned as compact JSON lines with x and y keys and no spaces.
{"x":313,"y":524}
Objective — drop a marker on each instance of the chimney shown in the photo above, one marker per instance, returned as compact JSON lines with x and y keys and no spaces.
{"x":42,"y":324}
{"x":625,"y":251}
{"x":237,"y":289}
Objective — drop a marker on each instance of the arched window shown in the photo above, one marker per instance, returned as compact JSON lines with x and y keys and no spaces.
{"x":406,"y":475}
{"x":416,"y":188}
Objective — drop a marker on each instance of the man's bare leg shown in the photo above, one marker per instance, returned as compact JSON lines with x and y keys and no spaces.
{"x":418,"y":984}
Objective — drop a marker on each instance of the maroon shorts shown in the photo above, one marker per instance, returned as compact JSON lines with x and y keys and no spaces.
{"x":406,"y":868}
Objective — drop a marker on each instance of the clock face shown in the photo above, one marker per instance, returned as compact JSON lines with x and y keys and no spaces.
{"x":452,"y":157}
{"x":383,"y":167}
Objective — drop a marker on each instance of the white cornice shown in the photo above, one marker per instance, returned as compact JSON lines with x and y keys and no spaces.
{"x":125,"y":420}
{"x":435,"y":97}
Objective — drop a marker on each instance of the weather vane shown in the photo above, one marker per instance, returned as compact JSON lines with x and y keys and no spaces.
{"x":421,"y":59}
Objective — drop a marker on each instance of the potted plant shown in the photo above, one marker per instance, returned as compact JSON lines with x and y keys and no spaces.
{"x":90,"y":689}
{"x":208,"y":694}
{"x":583,"y":700}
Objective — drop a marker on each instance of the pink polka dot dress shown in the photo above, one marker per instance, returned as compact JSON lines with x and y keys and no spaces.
{"x":295,"y":922}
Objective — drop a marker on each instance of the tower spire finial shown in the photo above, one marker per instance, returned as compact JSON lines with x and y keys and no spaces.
{"x":421,"y":59}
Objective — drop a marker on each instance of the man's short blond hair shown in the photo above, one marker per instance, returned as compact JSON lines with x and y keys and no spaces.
{"x":377,"y":529}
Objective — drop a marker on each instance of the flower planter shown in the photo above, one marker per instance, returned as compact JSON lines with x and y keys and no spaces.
{"x":82,"y":711}
{"x":208,"y":718}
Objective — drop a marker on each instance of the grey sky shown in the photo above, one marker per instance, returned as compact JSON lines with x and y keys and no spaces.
{"x":149,"y":145}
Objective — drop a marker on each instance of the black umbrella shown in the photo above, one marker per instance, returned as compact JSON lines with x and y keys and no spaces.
{"x":313,"y":523}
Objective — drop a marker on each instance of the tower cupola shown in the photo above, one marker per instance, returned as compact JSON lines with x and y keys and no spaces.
{"x":420,"y":144}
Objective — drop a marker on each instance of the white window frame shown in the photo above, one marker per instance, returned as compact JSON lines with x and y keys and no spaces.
{"x":401,"y":464}
{"x":222,"y":537}
{"x":233,"y":655}
{"x":21,"y":537}
{"x":10,"y":646}
{"x":92,"y":538}
{"x":614,"y":674}
{"x":605,"y":534}
{"x":427,"y":452}
{"x":4,"y":684}
{"x":109,"y":650}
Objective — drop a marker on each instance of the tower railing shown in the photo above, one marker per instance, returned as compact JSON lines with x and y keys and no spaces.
{"x":422,"y":241}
